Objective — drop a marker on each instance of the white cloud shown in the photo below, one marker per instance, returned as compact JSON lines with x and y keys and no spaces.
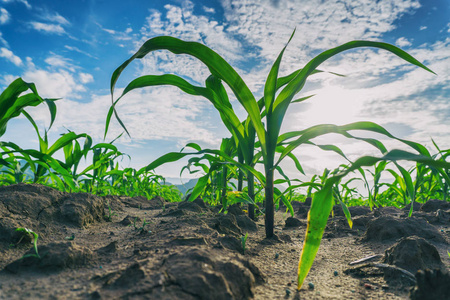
{"x":25,"y":2}
{"x":423,"y":27}
{"x":60,"y":62}
{"x":4,"y":16}
{"x":86,"y":78}
{"x":9,"y":55}
{"x":403,"y":42}
{"x":71,"y":48}
{"x":413,"y":105}
{"x":165,"y":113}
{"x":209,"y":9}
{"x":56,"y":18}
{"x":320,"y":24}
{"x":118,"y":35}
{"x":182,"y":23}
{"x":3,"y":41}
{"x":47,"y":28}
{"x":60,"y":84}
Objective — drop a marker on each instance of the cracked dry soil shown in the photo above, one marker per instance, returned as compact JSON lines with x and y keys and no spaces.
{"x":152,"y":249}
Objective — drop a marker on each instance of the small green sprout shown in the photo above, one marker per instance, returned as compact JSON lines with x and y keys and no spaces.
{"x":448,"y":254}
{"x":34,"y":236}
{"x":142,"y":228}
{"x":243,"y":242}
{"x":110,"y":214}
{"x":71,"y":237}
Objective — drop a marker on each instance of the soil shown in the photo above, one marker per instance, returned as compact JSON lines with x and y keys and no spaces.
{"x":114,"y":247}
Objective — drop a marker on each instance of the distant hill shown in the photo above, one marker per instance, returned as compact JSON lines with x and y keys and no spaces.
{"x":183,"y":188}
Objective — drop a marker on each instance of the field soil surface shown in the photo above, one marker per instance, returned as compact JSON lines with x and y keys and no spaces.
{"x":113,"y":247}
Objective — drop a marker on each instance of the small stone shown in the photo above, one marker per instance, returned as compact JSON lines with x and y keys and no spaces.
{"x":368,"y":286}
{"x":311,"y":285}
{"x":276,"y":255}
{"x":288,"y":292}
{"x":335,"y":273}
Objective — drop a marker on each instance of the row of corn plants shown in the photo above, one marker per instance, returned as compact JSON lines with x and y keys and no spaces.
{"x":261,"y":130}
{"x":101,"y":176}
{"x":229,"y":173}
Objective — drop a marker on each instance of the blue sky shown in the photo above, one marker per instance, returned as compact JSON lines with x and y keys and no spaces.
{"x":69,"y":49}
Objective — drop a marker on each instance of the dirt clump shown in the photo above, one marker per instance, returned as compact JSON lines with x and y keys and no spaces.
{"x":412,"y":254}
{"x":388,"y":228}
{"x":53,"y":257}
{"x":431,"y":285}
{"x":117,"y":247}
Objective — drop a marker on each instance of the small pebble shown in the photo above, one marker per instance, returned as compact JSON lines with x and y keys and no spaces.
{"x":311,"y":285}
{"x":335,"y":273}
{"x":368,"y":286}
{"x":276,"y":255}
{"x":288,"y":292}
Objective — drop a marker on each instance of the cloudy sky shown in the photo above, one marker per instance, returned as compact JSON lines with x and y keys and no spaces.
{"x":69,"y":49}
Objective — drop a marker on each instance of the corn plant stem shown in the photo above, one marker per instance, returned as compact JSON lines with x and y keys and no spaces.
{"x":269,"y":192}
{"x":240,"y":181}
{"x":224,"y":186}
{"x":251,"y":194}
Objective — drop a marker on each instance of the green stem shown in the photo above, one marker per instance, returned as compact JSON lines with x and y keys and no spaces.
{"x":269,"y":218}
{"x":224,"y":186}
{"x":251,"y":194}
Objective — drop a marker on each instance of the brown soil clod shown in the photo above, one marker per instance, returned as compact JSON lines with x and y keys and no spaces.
{"x":190,"y":250}
{"x":413,"y":253}
{"x":53,"y":257}
{"x":431,"y":285}
{"x":388,"y":228}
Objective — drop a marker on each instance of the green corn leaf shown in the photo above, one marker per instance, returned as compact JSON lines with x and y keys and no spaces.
{"x":215,"y":63}
{"x":347,"y":213}
{"x":199,"y":187}
{"x":409,"y":186}
{"x":286,"y":95}
{"x":322,"y":203}
{"x":302,"y":99}
{"x":270,"y":87}
{"x":317,"y":221}
{"x":318,"y":130}
{"x":12,"y":104}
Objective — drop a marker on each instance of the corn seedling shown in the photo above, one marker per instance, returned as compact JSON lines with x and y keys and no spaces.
{"x":111,"y":213}
{"x":34,"y":238}
{"x":279,"y":93}
{"x":12,"y":104}
{"x":244,"y":242}
{"x":142,"y":228}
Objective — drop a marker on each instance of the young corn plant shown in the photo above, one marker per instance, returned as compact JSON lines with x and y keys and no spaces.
{"x":34,"y":238}
{"x":12,"y":104}
{"x":279,"y":93}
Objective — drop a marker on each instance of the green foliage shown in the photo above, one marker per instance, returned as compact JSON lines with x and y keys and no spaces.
{"x":34,"y":238}
{"x":12,"y":104}
{"x":102,"y":177}
{"x":279,"y":93}
{"x":254,"y":140}
{"x":244,"y":242}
